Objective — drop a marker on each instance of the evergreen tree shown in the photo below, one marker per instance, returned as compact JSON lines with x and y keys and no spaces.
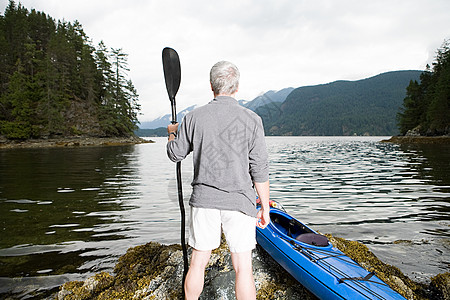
{"x":412,"y":113}
{"x":123,"y":96}
{"x":438,"y":115}
{"x":104,"y":75}
{"x":54,"y":82}
{"x":19,"y":124}
{"x":426,"y":107}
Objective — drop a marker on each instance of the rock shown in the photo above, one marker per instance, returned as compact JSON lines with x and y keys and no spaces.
{"x":440,"y":286}
{"x":87,"y":289}
{"x":443,"y":140}
{"x":273,"y":282}
{"x":154,"y":271}
{"x":414,"y":132}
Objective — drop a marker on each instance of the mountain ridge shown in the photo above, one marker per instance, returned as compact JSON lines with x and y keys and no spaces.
{"x":163,"y":121}
{"x":343,"y":107}
{"x":361,"y":107}
{"x":263,"y":99}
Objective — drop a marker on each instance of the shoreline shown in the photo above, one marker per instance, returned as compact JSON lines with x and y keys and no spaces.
{"x":436,"y":140}
{"x":75,"y":141}
{"x":87,"y":141}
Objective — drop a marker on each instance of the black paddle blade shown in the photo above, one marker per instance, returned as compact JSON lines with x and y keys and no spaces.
{"x":172,"y":71}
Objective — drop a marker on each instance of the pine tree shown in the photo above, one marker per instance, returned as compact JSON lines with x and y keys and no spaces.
{"x":122,"y":97}
{"x":18,"y":99}
{"x":426,"y":107}
{"x":412,"y":112}
{"x":54,"y":82}
{"x":438,"y":115}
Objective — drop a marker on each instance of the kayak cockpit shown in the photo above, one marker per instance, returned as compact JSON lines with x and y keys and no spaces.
{"x":295,"y":230}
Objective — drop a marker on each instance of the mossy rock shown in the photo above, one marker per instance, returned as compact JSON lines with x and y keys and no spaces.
{"x":154,"y":271}
{"x":142,"y":273}
{"x":442,"y":140}
{"x":88,"y":289}
{"x":439,"y":288}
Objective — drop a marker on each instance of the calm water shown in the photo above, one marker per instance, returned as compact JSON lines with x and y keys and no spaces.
{"x":68,"y":213}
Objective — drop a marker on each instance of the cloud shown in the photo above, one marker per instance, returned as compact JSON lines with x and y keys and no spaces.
{"x":275,"y":44}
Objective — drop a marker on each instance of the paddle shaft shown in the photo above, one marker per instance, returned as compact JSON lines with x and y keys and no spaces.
{"x":174,"y":110}
{"x":172,"y":76}
{"x":181,"y":203}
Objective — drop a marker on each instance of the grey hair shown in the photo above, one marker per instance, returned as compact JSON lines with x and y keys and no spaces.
{"x":224,"y":78}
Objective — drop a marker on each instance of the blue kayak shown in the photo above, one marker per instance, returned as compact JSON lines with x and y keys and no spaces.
{"x":313,"y":261}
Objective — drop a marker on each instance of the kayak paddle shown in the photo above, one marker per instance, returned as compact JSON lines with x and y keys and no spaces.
{"x":172,"y":76}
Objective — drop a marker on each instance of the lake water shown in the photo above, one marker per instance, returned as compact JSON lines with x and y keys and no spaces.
{"x":68,"y":213}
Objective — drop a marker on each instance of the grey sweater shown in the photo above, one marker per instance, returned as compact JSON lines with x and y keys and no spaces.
{"x":229,"y":153}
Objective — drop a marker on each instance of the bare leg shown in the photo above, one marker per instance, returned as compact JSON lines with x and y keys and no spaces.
{"x":245,"y":284}
{"x":195,"y":277}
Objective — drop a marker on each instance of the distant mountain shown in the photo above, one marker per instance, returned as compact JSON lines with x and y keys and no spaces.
{"x":165,"y":120}
{"x":264,"y":99}
{"x":268,"y":98}
{"x":161,"y":131}
{"x":362,"y":107}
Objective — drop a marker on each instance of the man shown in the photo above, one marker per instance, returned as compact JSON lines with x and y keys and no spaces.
{"x":230,"y":157}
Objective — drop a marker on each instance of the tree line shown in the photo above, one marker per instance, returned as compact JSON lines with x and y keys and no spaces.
{"x":54,"y":82}
{"x":426,"y":107}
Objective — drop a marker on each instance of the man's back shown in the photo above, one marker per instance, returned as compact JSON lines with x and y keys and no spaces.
{"x":229,"y":152}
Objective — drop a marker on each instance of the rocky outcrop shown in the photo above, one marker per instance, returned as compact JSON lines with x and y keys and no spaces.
{"x":439,"y":287}
{"x":412,"y":139}
{"x":154,"y":271}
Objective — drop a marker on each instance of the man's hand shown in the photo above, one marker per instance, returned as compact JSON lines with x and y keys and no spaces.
{"x":263,"y":218}
{"x":172,"y":130}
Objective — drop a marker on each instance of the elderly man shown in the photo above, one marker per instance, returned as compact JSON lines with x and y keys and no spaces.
{"x":230,"y":157}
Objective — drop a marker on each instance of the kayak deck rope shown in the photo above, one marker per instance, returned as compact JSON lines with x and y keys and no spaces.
{"x":312,"y":254}
{"x":365,"y":278}
{"x":306,"y":250}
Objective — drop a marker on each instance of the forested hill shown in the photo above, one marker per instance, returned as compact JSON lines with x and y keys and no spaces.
{"x":362,"y":107}
{"x":426,"y":108}
{"x":54,"y":82}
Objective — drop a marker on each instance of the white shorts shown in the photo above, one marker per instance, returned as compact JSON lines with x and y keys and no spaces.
{"x":205,"y":229}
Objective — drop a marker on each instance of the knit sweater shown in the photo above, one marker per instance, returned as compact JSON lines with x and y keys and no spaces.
{"x":229,"y":153}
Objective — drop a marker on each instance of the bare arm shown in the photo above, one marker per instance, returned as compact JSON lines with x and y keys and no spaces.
{"x":263,"y":217}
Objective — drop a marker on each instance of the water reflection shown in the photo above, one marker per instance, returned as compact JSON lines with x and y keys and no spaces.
{"x":430,"y":162}
{"x":55,"y":204}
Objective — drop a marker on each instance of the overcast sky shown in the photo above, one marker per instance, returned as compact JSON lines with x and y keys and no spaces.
{"x":275,"y":43}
